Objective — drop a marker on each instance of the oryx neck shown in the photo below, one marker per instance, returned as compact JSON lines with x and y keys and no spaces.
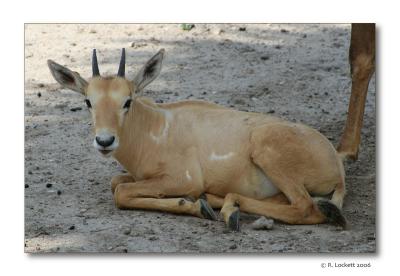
{"x":146,"y":111}
{"x":146,"y":126}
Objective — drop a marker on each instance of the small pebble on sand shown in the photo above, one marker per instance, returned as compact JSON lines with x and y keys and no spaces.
{"x":233,"y":246}
{"x":263,"y":224}
{"x":127,"y":231}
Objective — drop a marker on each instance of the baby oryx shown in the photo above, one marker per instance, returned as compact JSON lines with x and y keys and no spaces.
{"x":189,"y":157}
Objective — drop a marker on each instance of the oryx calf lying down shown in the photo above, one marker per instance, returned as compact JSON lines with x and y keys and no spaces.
{"x":191,"y":156}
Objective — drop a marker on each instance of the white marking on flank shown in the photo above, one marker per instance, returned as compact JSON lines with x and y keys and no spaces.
{"x":216,"y":157}
{"x":188,"y":175}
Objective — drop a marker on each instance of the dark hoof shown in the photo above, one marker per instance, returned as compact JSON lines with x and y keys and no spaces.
{"x":206,"y":210}
{"x":233,"y":222}
{"x":332,"y":213}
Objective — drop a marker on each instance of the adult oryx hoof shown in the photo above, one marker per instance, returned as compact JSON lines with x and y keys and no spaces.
{"x":234,"y":221}
{"x":206,"y":210}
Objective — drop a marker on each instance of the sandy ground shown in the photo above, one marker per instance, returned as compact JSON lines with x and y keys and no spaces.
{"x":298,"y":72}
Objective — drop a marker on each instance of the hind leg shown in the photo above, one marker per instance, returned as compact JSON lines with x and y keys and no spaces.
{"x":231,"y":210}
{"x":277,"y":199}
{"x":214,"y":201}
{"x":301,"y":208}
{"x":291,"y":155}
{"x":291,"y":214}
{"x":218,"y":202}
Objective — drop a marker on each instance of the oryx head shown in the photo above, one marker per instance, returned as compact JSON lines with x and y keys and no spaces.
{"x":108,"y":98}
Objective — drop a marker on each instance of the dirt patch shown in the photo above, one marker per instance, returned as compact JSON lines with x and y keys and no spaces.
{"x":297,"y":72}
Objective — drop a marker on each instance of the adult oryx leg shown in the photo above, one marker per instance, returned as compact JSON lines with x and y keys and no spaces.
{"x":118,"y":179}
{"x":162,"y":194}
{"x":362,"y":64}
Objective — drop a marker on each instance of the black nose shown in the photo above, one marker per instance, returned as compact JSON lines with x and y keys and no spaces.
{"x":105,"y":142}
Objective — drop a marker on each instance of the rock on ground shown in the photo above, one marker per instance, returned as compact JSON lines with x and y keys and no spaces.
{"x":262,"y":224}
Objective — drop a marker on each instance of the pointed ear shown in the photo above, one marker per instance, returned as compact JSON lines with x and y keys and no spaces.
{"x":67,"y":78}
{"x":149,"y":71}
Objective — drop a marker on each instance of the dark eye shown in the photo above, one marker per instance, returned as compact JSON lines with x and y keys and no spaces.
{"x":128,"y":103}
{"x":89,"y":105}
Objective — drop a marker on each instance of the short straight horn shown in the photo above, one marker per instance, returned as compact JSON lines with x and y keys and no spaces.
{"x":95,"y":65}
{"x":121,"y":69}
